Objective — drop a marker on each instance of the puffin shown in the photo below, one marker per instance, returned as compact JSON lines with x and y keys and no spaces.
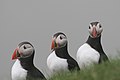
{"x":59,"y":59}
{"x":23,"y":68}
{"x":91,"y":52}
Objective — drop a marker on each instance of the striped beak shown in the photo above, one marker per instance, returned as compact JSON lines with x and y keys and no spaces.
{"x":54,"y":44}
{"x":94,"y":33}
{"x":16,"y":54}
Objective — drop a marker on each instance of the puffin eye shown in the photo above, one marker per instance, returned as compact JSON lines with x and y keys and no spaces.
{"x":24,"y":47}
{"x":89,"y":27}
{"x":61,"y":38}
{"x":100,"y":26}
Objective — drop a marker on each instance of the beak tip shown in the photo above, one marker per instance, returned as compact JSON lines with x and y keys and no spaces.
{"x":14,"y":56}
{"x":52,"y":45}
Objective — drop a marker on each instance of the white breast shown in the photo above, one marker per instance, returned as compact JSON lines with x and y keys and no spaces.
{"x":56,"y":64}
{"x":18,"y":73}
{"x":86,"y":56}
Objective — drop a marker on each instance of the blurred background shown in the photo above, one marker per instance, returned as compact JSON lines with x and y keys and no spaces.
{"x":37,"y":20}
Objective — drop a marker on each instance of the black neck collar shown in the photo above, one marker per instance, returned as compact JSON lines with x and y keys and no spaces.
{"x":62,"y":52}
{"x":27,"y":63}
{"x":95,"y":43}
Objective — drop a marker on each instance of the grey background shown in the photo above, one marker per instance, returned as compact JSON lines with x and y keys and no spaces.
{"x":37,"y":20}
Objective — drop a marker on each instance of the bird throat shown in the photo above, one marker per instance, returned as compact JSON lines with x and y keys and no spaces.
{"x":95,"y":43}
{"x":27,"y":63}
{"x":62,"y":52}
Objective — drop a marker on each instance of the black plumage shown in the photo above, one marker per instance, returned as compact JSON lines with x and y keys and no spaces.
{"x":63,"y":53}
{"x":32,"y":71}
{"x":96,"y":44}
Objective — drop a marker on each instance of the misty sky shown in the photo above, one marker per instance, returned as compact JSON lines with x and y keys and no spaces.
{"x":37,"y":20}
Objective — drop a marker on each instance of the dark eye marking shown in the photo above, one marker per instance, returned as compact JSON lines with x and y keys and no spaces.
{"x":24,"y":47}
{"x":89,"y":27}
{"x":100,"y":26}
{"x":61,"y":38}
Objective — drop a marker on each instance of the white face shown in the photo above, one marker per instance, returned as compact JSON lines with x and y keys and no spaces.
{"x":25,"y":50}
{"x":61,"y":40}
{"x":95,"y":30}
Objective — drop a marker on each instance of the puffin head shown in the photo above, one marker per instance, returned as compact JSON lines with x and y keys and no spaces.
{"x":95,"y":29}
{"x":24,"y":50}
{"x":59,"y":40}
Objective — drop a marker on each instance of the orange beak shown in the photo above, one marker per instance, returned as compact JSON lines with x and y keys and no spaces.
{"x":53,"y":44}
{"x":94,"y":33}
{"x":15,"y":54}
